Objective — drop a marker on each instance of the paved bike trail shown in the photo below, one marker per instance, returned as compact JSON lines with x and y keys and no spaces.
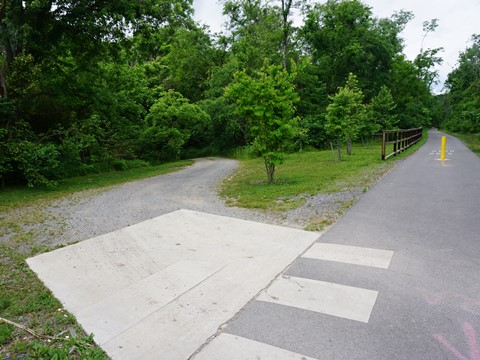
{"x":398,"y":277}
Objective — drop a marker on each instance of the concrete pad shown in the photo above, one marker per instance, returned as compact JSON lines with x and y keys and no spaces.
{"x":350,"y":255}
{"x":327,"y":298}
{"x":231,"y":347}
{"x":159,"y":289}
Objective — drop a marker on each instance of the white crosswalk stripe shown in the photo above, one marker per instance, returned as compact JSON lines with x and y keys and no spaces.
{"x":231,"y":347}
{"x":328,"y":298}
{"x":350,"y":254}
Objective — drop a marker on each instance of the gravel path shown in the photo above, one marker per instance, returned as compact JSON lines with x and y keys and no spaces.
{"x":92,"y":213}
{"x":194,"y":188}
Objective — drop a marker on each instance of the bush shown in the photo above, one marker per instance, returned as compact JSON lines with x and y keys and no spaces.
{"x":36,"y":162}
{"x":120,"y":165}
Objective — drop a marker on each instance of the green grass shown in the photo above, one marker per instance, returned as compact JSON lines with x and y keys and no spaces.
{"x":23,"y":297}
{"x":306,"y":173}
{"x":471,"y":140}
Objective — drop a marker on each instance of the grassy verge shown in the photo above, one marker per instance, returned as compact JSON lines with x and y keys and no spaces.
{"x":307,"y":174}
{"x":471,"y":140}
{"x":23,"y":298}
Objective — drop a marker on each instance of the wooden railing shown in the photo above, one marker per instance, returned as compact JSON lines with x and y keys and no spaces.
{"x":401,"y":140}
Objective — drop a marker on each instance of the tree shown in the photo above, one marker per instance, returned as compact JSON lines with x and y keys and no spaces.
{"x":267,"y":102}
{"x":171,"y":124}
{"x":72,"y":80}
{"x":346,"y":114}
{"x":383,"y":111}
{"x":187,"y":62}
{"x":411,"y":94}
{"x":44,"y":28}
{"x":288,"y":31}
{"x":344,"y":37}
{"x":463,"y":97}
{"x":255,"y":33}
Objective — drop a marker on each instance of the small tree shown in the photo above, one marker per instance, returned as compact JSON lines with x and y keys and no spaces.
{"x":383,"y":111}
{"x":346,"y":114}
{"x":267,"y":101}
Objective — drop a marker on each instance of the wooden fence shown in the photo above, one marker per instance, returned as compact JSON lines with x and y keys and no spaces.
{"x":401,"y":140}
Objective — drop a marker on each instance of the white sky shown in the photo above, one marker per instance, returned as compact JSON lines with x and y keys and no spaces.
{"x":458,"y":21}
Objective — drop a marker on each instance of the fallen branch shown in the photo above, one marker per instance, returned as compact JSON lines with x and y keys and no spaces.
{"x":30,"y":331}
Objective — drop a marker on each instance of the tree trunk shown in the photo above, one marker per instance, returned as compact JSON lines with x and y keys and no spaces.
{"x":270,"y":169}
{"x":286,"y":7}
{"x":3,"y":86}
{"x":349,"y":146}
{"x":339,"y":157}
{"x":333,"y":151}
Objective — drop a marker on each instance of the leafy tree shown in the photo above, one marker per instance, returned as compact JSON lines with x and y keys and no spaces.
{"x":463,"y":98}
{"x":344,"y":37}
{"x":255,"y":30}
{"x":425,"y":62}
{"x":346,"y":114}
{"x":411,"y":94}
{"x":312,"y":104}
{"x":267,"y":101}
{"x":24,"y":160}
{"x":383,"y":111}
{"x":428,"y":59}
{"x":172,"y":124}
{"x":187,"y":62}
{"x":228,"y":130}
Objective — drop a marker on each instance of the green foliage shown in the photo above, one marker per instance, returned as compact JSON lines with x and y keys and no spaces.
{"x":173,"y":122}
{"x":267,"y":103}
{"x":82,"y":83}
{"x":462,"y":108}
{"x":227,"y":130}
{"x":382,"y":111}
{"x":188,"y":47}
{"x":346,"y":114}
{"x":411,"y":94}
{"x":23,"y":82}
{"x":6,"y":332}
{"x":255,"y":29}
{"x":344,"y":37}
{"x":30,"y":162}
{"x":68,"y":349}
